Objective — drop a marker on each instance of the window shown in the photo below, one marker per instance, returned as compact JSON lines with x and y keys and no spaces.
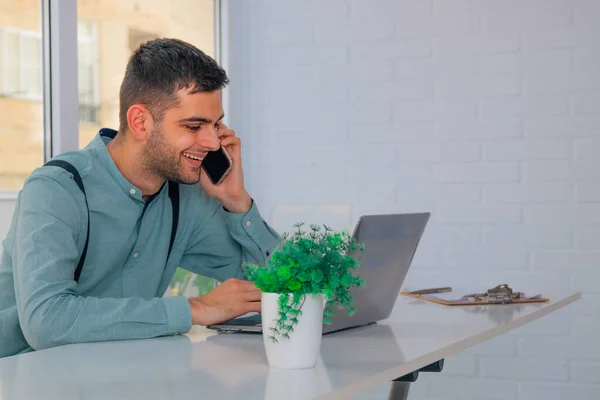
{"x":21,"y":63}
{"x":21,"y":116}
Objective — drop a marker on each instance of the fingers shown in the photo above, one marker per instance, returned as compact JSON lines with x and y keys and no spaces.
{"x":247,"y":291}
{"x":252,"y":295}
{"x":231,"y":299}
{"x":227,"y":137}
{"x":253,"y":306}
{"x":224,"y":132}
{"x":248,"y":285}
{"x":230,"y":140}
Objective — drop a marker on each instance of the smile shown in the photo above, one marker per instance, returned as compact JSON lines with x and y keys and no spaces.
{"x":193,"y":156}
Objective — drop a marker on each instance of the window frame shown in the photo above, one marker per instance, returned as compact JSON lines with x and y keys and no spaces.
{"x":221,"y":44}
{"x":93,"y":63}
{"x":60,"y":63}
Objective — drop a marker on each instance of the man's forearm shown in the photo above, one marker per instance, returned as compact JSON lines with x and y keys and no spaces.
{"x":65,"y":319}
{"x":227,"y":241}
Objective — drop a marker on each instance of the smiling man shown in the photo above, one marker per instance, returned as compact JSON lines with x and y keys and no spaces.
{"x":69,"y":278}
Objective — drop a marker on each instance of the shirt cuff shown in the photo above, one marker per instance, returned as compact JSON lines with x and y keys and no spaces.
{"x":248,"y":224}
{"x":253,"y":233}
{"x":179,"y":315}
{"x":235,"y":219}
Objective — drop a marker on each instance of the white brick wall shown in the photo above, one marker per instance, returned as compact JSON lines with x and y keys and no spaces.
{"x":484,"y":112}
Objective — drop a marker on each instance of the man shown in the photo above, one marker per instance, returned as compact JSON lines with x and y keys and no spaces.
{"x":170,"y":117}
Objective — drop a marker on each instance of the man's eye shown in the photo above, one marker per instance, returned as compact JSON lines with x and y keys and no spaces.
{"x":217,"y":126}
{"x":192,"y":128}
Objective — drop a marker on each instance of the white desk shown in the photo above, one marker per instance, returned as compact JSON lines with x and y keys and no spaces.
{"x":232,"y":366}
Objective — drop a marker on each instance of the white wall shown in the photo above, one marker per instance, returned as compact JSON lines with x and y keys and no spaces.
{"x":485,"y":113}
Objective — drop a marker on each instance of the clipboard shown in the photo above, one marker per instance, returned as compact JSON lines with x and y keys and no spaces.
{"x":445,"y":297}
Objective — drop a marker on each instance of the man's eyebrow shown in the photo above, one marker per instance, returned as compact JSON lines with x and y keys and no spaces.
{"x":198,"y":120}
{"x":194,"y":119}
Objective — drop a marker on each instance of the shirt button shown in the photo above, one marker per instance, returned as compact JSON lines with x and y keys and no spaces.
{"x":248,"y":223}
{"x":132,"y":191}
{"x":136,"y":254}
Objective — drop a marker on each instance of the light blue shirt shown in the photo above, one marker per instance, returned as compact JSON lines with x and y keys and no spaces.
{"x":119,"y":293}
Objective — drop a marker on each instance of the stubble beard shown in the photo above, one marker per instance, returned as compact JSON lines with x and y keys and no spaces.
{"x":163,"y":160}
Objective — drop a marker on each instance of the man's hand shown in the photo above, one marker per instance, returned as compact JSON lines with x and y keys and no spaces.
{"x":229,"y":300}
{"x":231,"y":192}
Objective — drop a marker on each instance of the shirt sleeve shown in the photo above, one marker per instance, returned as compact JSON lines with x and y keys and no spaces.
{"x":45,"y":254}
{"x":223,"y":242}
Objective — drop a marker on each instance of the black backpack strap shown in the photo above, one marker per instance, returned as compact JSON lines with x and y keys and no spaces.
{"x":70,"y":168}
{"x":174,"y":196}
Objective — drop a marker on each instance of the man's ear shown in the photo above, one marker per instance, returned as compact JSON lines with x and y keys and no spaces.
{"x":139,"y":121}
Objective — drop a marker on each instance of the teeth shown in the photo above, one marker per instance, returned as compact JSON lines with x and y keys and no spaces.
{"x":192,"y":157}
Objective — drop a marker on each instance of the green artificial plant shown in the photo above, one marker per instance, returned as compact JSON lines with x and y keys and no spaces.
{"x":320,"y":261}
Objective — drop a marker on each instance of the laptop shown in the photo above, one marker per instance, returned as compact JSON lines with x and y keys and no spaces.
{"x":390,"y":242}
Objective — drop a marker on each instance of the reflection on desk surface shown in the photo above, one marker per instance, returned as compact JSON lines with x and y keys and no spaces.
{"x":498,"y":313}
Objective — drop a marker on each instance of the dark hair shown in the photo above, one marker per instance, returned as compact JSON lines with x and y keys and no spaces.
{"x":161,"y":67}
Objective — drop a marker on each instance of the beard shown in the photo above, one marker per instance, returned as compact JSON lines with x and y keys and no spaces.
{"x":163,"y":160}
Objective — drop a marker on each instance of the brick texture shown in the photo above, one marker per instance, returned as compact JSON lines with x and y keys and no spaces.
{"x":485,"y":113}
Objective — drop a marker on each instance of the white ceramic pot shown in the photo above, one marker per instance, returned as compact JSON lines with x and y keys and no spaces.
{"x":301,"y":349}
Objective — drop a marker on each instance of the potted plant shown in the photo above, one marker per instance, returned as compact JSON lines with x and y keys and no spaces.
{"x":306,"y":276}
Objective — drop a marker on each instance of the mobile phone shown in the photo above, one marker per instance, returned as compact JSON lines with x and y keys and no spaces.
{"x":217,"y":164}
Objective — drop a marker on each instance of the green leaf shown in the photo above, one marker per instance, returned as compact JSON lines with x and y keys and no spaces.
{"x":316,"y":275}
{"x":283,"y":273}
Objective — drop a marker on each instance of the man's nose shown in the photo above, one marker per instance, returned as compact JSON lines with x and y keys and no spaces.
{"x":210,"y":139}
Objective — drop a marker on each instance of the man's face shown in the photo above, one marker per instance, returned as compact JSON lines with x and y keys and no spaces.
{"x":177,"y":145}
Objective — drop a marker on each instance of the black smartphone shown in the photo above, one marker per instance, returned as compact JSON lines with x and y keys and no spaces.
{"x":217,"y":164}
